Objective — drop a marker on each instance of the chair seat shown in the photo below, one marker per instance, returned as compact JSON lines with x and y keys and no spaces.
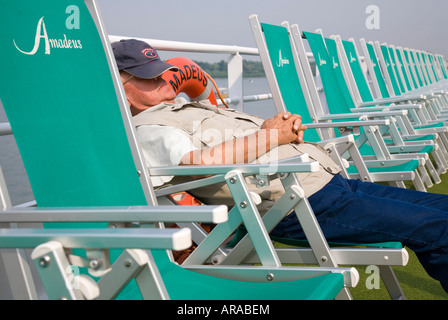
{"x":241,"y":232}
{"x":183,"y":284}
{"x":408,"y":166}
{"x":303,"y":243}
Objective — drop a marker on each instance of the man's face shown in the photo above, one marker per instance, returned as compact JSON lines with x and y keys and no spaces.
{"x":146,"y":93}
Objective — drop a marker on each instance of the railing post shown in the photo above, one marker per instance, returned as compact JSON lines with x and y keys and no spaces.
{"x":14,"y":266}
{"x":235,"y":81}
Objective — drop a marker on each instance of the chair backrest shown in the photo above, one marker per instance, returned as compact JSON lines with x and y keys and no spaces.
{"x":67,"y":119}
{"x":413,"y":68}
{"x":404,"y":72}
{"x":421,"y":73}
{"x":388,"y":69}
{"x":409,"y":68}
{"x":442,"y":66}
{"x":336,"y":90}
{"x":379,"y":84}
{"x":424,"y":66}
{"x":282,"y":72}
{"x":60,"y":89}
{"x":354,"y":66}
{"x":397,"y":76}
{"x":432,"y":67}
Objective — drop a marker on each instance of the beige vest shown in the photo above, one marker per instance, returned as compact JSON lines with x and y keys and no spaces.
{"x":208,"y":126}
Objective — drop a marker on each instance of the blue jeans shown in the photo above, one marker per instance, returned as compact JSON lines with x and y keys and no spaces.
{"x":352,"y":211}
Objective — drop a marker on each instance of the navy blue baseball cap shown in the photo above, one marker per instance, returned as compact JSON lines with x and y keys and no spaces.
{"x":139,"y":59}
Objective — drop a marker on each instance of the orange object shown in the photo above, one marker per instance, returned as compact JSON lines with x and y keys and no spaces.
{"x":190,"y":79}
{"x":185,"y":199}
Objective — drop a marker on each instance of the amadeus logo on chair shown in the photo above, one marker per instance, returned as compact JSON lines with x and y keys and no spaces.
{"x":72,"y":22}
{"x":281,"y":61}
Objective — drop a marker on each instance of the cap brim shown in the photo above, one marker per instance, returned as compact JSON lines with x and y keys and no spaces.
{"x":151,"y":69}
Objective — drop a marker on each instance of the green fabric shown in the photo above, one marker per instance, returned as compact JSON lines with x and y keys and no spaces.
{"x":403,"y":70}
{"x":358,"y":73}
{"x":68,"y":145}
{"x":241,"y":232}
{"x":422,"y":63}
{"x":318,"y":288}
{"x":408,"y":61}
{"x":300,"y":243}
{"x":376,"y":69}
{"x":442,"y":66}
{"x":414,"y":63}
{"x":395,"y":68}
{"x":277,"y":41}
{"x":407,"y":166}
{"x":336,"y":91}
{"x":431,"y":62}
{"x":63,"y":110}
{"x":390,"y":70}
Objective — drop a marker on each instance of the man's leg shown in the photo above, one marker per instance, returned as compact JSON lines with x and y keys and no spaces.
{"x":355,"y":212}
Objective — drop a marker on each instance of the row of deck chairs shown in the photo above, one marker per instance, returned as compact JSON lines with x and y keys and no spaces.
{"x":101,"y":231}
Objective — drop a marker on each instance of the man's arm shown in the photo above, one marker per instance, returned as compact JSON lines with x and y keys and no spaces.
{"x":281,"y":129}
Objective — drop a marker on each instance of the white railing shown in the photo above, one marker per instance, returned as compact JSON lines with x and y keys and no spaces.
{"x":5,"y":128}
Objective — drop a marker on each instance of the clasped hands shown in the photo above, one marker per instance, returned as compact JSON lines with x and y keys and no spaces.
{"x":289,"y":127}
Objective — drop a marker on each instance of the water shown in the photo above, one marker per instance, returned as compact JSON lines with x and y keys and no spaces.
{"x":252,"y":86}
{"x":14,"y":170}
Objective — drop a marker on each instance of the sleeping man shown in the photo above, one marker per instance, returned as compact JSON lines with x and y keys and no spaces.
{"x":176,"y":132}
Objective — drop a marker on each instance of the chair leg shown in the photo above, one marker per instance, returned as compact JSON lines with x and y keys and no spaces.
{"x":344,"y":294}
{"x":391,"y":282}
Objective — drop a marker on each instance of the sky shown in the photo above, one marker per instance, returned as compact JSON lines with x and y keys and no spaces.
{"x":415,"y":24}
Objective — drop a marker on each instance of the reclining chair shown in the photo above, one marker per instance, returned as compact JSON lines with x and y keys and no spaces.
{"x":283,"y":71}
{"x":362,"y":95}
{"x":383,"y":86}
{"x":66,"y":105}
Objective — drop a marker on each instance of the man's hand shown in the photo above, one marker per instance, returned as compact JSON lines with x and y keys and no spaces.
{"x":289,"y":127}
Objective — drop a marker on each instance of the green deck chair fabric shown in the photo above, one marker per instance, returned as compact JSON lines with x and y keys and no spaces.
{"x":401,"y":66}
{"x":442,"y":67}
{"x":278,"y":41}
{"x":60,"y":99}
{"x":341,"y":108}
{"x":377,"y":70}
{"x":364,"y":90}
{"x":336,"y":91}
{"x":286,"y":76}
{"x":288,"y":82}
{"x":411,"y":68}
{"x":390,"y":65}
{"x":397,"y":84}
{"x":412,"y":60}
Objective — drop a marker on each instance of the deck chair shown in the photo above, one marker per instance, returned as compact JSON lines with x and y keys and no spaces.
{"x":368,"y":170}
{"x":386,"y":85}
{"x":438,"y":90}
{"x":432,"y":119}
{"x":375,"y":58}
{"x":397,"y":77}
{"x":284,"y":75}
{"x":78,"y":145}
{"x":405,"y":73}
{"x":422,"y":140}
{"x":371,"y":141}
{"x":441,"y":67}
{"x":362,"y":96}
{"x":436,"y":68}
